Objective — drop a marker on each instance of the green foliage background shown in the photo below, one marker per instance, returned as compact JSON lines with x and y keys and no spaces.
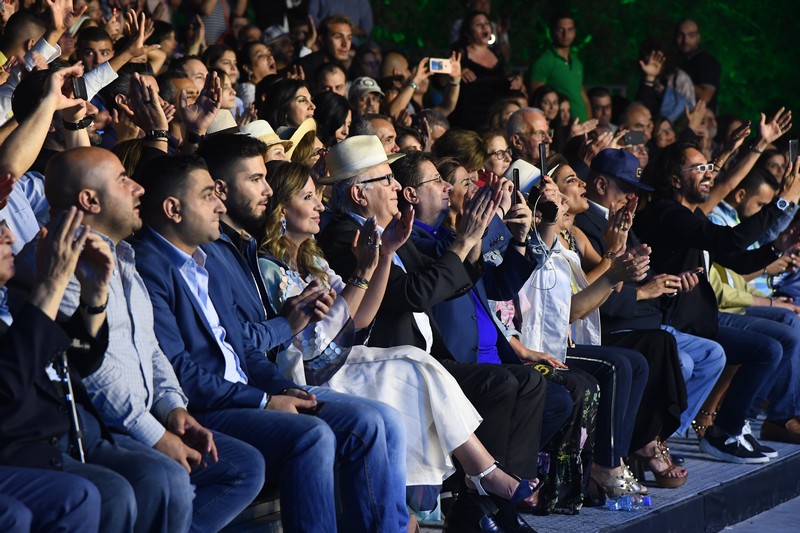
{"x":755,"y":41}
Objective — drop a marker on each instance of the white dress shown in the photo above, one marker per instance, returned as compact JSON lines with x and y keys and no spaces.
{"x":437,"y":416}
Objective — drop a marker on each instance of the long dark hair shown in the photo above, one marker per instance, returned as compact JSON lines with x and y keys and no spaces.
{"x":330,"y":114}
{"x":280,"y":94}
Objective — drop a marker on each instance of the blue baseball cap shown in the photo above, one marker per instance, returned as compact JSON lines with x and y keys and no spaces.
{"x":619,"y":164}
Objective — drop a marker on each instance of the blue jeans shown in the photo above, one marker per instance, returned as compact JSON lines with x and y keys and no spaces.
{"x":759,"y":355}
{"x":783,"y":388}
{"x":33,"y":500}
{"x":349,"y":435}
{"x":209,"y":498}
{"x":702,"y":362}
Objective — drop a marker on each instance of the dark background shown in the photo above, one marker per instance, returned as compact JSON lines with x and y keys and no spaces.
{"x":756,"y":41}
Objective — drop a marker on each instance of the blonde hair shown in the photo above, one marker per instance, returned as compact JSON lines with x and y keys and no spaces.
{"x":287,"y":179}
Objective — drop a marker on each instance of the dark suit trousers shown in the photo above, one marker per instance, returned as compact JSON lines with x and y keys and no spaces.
{"x":510,"y":398}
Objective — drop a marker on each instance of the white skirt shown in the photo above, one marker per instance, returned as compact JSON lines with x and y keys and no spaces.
{"x":438,"y":417}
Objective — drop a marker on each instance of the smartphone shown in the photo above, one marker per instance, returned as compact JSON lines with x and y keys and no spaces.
{"x":79,"y":88}
{"x":698,"y":270}
{"x":440,"y":65}
{"x":483,"y":178}
{"x":633,"y":137}
{"x":543,"y":159}
{"x":793,"y":150}
{"x":515,"y":181}
{"x":313,"y":411}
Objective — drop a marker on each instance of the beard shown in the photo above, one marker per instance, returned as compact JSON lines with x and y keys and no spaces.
{"x":245,"y":215}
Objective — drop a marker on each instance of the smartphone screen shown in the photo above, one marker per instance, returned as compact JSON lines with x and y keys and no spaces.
{"x":793,"y":147}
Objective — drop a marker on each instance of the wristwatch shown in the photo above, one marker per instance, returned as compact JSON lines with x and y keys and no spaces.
{"x":782,"y":204}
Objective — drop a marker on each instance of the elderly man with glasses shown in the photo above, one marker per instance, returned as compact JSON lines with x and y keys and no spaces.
{"x":527,"y":129}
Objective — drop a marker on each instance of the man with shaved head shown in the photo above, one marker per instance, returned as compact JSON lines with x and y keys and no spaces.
{"x":135,"y":389}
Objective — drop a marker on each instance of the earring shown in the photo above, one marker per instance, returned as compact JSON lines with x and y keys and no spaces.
{"x":283,"y":227}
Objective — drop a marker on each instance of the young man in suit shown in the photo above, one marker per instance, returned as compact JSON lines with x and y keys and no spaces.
{"x":235,"y":388}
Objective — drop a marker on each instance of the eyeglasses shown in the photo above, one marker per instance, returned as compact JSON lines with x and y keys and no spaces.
{"x":501,"y":154}
{"x":388,"y":177}
{"x":541,"y":135}
{"x":704,"y":167}
{"x":438,"y":180}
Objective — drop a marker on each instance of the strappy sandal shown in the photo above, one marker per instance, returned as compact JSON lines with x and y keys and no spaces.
{"x":524,"y":489}
{"x":613,"y":487}
{"x":700,"y":429}
{"x":663,"y":478}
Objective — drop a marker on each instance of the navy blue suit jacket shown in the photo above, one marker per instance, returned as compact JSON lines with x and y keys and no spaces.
{"x":456,"y":318}
{"x":225,"y":260}
{"x":188,"y":341}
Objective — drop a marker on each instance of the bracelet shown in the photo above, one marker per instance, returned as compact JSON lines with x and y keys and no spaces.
{"x":359,"y":283}
{"x":412,"y":85}
{"x":93,"y":309}
{"x":502,"y":211}
{"x":194,"y":138}
{"x":649,"y":83}
{"x":80,"y":125}
{"x":454,"y":83}
{"x":158,"y":134}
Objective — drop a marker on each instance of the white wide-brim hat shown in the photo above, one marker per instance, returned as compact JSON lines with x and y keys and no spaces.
{"x":355,"y":155}
{"x":261,"y":130}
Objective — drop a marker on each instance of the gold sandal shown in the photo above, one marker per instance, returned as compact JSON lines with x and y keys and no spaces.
{"x":700,"y":429}
{"x":663,"y":478}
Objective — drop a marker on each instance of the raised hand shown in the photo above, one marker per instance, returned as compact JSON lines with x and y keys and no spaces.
{"x":199,"y":116}
{"x":582,"y":129}
{"x":695,"y":117}
{"x":455,"y":67}
{"x":94,"y":269}
{"x":628,"y":268}
{"x":60,"y":247}
{"x":397,"y":232}
{"x":519,"y":219}
{"x":148,"y":112}
{"x":653,"y":66}
{"x":63,"y":14}
{"x":780,"y":123}
{"x":366,"y":245}
{"x":57,"y":87}
{"x":616,"y":234}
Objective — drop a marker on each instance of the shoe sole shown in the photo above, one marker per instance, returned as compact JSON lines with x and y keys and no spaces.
{"x":719,"y":454}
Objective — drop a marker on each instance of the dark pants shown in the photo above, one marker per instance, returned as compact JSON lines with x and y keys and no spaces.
{"x":511,"y":400}
{"x":622,"y":375}
{"x":664,"y":396}
{"x":47,"y":501}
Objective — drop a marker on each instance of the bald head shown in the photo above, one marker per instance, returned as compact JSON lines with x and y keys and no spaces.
{"x":395,"y":64}
{"x":94,"y":180}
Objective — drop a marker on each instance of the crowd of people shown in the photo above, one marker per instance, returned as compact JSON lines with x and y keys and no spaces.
{"x":242,"y":245}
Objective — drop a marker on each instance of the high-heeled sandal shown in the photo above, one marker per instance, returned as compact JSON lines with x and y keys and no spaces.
{"x":634,"y":480}
{"x":663,"y":478}
{"x":523,"y":491}
{"x":613,"y":487}
{"x":700,"y":429}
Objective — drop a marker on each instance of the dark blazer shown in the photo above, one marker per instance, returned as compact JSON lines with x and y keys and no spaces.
{"x":621,"y":310}
{"x":678,"y":238}
{"x":34,"y":415}
{"x":225,"y":260}
{"x":456,"y":317}
{"x":425,"y":283}
{"x":188,"y":341}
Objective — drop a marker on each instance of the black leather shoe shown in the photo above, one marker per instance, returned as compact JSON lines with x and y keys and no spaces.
{"x":509,"y":520}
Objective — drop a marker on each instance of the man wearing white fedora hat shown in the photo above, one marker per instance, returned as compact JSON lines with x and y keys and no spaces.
{"x":510,"y":402}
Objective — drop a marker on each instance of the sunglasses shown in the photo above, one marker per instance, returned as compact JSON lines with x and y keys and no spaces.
{"x":704,"y":167}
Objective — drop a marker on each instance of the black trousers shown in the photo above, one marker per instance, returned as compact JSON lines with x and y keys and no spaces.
{"x":622,"y":375}
{"x":511,"y":400}
{"x":664,"y":396}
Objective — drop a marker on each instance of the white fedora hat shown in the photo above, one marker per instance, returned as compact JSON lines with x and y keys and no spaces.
{"x":355,"y":155}
{"x":223,"y":123}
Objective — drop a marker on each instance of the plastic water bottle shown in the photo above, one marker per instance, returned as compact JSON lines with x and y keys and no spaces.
{"x":628,"y":503}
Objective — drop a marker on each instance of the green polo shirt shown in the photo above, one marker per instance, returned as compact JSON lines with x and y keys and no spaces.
{"x":565,"y":76}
